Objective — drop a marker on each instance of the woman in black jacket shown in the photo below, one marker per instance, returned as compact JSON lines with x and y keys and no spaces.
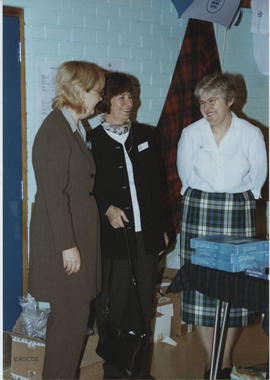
{"x":127,"y":191}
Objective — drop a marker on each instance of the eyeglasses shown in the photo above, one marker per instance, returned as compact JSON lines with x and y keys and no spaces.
{"x":210,"y":102}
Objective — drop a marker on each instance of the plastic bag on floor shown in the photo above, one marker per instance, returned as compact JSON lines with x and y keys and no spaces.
{"x":34,"y":319}
{"x":249,"y":373}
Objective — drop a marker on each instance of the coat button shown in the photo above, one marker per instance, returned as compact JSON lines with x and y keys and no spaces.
{"x":92,"y":175}
{"x":90,"y":193}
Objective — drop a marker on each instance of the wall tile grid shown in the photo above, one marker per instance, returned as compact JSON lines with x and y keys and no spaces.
{"x":238,"y":58}
{"x":142,"y":36}
{"x":136,"y":35}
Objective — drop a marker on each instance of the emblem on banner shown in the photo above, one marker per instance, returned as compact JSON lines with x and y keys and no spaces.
{"x":214,"y":6}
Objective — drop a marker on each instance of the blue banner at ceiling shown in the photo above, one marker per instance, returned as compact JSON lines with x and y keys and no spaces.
{"x":217,"y":11}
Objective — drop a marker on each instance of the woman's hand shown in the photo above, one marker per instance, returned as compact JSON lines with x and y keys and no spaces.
{"x":116,"y":217}
{"x":71,"y":260}
{"x":166,"y":238}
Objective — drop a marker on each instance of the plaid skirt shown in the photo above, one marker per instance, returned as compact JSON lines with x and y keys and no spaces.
{"x":204,"y":213}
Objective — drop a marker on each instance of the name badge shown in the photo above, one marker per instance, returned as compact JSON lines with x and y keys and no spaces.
{"x":143,"y":146}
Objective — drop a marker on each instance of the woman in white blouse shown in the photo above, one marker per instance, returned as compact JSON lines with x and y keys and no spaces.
{"x":222,"y":165}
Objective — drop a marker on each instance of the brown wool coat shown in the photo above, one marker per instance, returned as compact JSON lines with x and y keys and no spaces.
{"x":64,"y":214}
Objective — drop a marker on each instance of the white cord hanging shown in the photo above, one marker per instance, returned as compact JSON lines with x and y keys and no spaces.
{"x":223,"y":47}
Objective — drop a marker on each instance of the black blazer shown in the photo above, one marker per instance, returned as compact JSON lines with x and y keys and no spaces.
{"x":112,"y":188}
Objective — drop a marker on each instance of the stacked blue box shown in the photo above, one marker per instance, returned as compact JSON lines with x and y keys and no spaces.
{"x":230,"y":253}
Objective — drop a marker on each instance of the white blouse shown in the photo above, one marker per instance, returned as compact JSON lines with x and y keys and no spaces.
{"x":238,"y":164}
{"x":133,"y":192}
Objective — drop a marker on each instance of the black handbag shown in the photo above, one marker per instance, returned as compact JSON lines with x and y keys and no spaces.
{"x":123,"y":348}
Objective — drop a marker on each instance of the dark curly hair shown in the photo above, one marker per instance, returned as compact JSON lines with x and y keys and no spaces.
{"x":116,"y":83}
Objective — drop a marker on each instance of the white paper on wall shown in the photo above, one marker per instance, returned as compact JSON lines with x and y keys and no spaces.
{"x":46,"y":85}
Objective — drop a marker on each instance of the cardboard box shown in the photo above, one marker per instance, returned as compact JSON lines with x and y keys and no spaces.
{"x":27,"y":357}
{"x":176,"y":319}
{"x":6,"y":350}
{"x":166,"y":315}
{"x":161,"y":327}
{"x":27,"y":354}
{"x":173,"y":298}
{"x":161,"y":323}
{"x":169,"y":274}
{"x":178,"y":328}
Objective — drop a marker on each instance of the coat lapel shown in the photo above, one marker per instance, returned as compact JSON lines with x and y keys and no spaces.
{"x":76,"y":135}
{"x":88,"y":153}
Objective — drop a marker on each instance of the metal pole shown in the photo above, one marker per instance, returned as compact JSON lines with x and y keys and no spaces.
{"x":217,"y":316}
{"x":224,"y":320}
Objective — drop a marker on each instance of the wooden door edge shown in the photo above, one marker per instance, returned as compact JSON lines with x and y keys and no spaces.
{"x":19,"y":13}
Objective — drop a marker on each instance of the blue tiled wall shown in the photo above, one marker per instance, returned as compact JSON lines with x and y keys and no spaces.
{"x":145,"y":36}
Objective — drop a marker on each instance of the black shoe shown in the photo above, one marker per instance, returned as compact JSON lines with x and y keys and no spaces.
{"x":224,"y":373}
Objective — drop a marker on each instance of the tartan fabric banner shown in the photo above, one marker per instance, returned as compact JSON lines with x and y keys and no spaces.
{"x":198,"y":57}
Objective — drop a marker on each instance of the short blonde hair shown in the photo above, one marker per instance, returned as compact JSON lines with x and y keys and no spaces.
{"x":217,"y":83}
{"x":71,"y":78}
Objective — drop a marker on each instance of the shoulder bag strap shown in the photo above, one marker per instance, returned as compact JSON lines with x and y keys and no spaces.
{"x":133,"y":279}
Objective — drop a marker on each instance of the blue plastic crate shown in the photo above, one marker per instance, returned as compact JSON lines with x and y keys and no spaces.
{"x":215,"y":264}
{"x":229,"y":244}
{"x":230,"y":257}
{"x":260,"y":256}
{"x":251,"y":264}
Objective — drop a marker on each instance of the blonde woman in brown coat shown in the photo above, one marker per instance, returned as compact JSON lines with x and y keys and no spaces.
{"x":64,"y":231}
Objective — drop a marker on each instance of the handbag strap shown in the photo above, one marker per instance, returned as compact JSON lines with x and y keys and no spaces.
{"x":133,"y":281}
{"x":133,"y":278}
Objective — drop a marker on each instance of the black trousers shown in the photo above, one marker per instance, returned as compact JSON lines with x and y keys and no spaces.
{"x":124,"y":310}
